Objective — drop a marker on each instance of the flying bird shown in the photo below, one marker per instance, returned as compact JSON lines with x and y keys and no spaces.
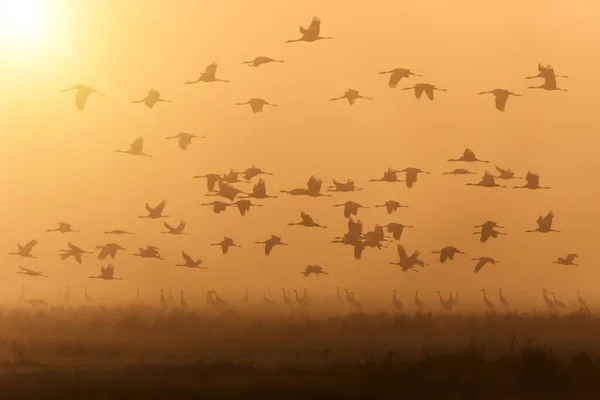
{"x":546,"y":72}
{"x":544,"y":224}
{"x":30,"y":272}
{"x":256,"y":104}
{"x":313,"y":189}
{"x":447,"y":253}
{"x":391,"y":206}
{"x":225,"y":244}
{"x":258,"y":61}
{"x":217,"y":206}
{"x":25,"y":251}
{"x":500,"y":97}
{"x":345,"y":187}
{"x":313,"y":269}
{"x":468,"y":156}
{"x":175,"y":230}
{"x":185,"y":139}
{"x":151,"y":99}
{"x":109,"y":250}
{"x":148,"y":252}
{"x":411,"y":175}
{"x":209,"y":75}
{"x":426,"y":88}
{"x":406,"y":262}
{"x":63,"y":227}
{"x":155,"y":212}
{"x":568,"y":260}
{"x":211,"y":180}
{"x":83,"y":92}
{"x":505,"y":173}
{"x":107,"y":273}
{"x":190,"y":262}
{"x":351,"y":95}
{"x":486,"y":181}
{"x":253,"y":171}
{"x":460,"y":171}
{"x":388,"y":176}
{"x":307,"y":221}
{"x":481,"y":261}
{"x":136,"y":148}
{"x":396,"y":229}
{"x":244,"y":205}
{"x":533,"y":182}
{"x":312,"y":33}
{"x":396,"y":75}
{"x":272,"y":242}
{"x":350,"y":208}
{"x":118,"y":232}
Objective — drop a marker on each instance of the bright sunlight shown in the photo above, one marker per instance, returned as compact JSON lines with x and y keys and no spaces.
{"x":23,"y":23}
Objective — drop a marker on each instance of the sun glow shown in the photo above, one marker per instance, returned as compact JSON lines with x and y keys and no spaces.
{"x":23,"y":23}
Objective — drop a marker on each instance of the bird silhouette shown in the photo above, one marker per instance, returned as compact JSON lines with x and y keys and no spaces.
{"x":411,"y":175}
{"x":486,"y":181}
{"x":505,"y":173}
{"x":500,"y":97}
{"x":391,"y":206}
{"x":107,"y":273}
{"x":344,"y":187}
{"x":426,"y":88}
{"x":406,"y":262}
{"x":350,"y":208}
{"x":258,"y":61}
{"x":118,"y":232}
{"x":397,"y":303}
{"x":418,"y":303}
{"x":149,"y":252}
{"x":558,"y":303}
{"x":312,"y":33}
{"x":307,"y":221}
{"x":459,"y":171}
{"x":351,"y":95}
{"x":388,"y":176}
{"x":209,"y":75}
{"x":74,"y":251}
{"x":151,"y":99}
{"x":396,"y":229}
{"x":227,"y":191}
{"x":396,"y":75}
{"x":190,"y":262}
{"x":546,"y":71}
{"x":488,"y":303}
{"x":468,"y":156}
{"x":136,"y":148}
{"x":225,"y":244}
{"x":244,"y":206}
{"x":533,"y":182}
{"x":481,"y":261}
{"x":253,"y":172}
{"x":63,"y":227}
{"x":488,"y":231}
{"x":211,"y":180}
{"x":185,"y":139}
{"x":503,"y":299}
{"x":256,"y":104}
{"x":109,"y":250}
{"x":259,"y":191}
{"x":81,"y":97}
{"x":568,"y":260}
{"x":177,"y":230}
{"x":272,"y":242}
{"x":313,"y":189}
{"x":155,"y":212}
{"x":549,"y":84}
{"x":30,"y":272}
{"x":545,"y":224}
{"x":25,"y":251}
{"x":447,"y":253}
{"x":313,"y":269}
{"x":217,"y":206}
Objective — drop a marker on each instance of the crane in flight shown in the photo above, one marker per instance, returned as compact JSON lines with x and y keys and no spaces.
{"x":468,"y":156}
{"x":175,"y":230}
{"x":155,"y":212}
{"x":225,"y":244}
{"x":500,"y":97}
{"x":312,"y":34}
{"x":481,"y":261}
{"x":107,"y":273}
{"x":406,"y":262}
{"x":25,"y":251}
{"x":30,"y":272}
{"x":533,"y":182}
{"x":63,"y":227}
{"x":190,"y":262}
{"x":136,"y":148}
{"x":272,"y":242}
{"x":209,"y":75}
{"x":447,"y":253}
{"x":391,"y":206}
{"x":260,"y":60}
{"x":568,"y":260}
{"x":151,"y":99}
{"x":313,"y":269}
{"x":82,"y":94}
{"x":256,"y":104}
{"x":427,"y":88}
{"x":185,"y":139}
{"x":109,"y":250}
{"x":351,"y":95}
{"x":307,"y":221}
{"x":544,"y":224}
{"x":397,"y":74}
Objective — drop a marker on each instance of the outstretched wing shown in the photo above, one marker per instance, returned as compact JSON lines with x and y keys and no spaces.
{"x":169,"y":227}
{"x":402,"y":254}
{"x":187,"y":258}
{"x":307,"y":219}
{"x":29,"y":246}
{"x":160,"y":207}
{"x":26,"y":269}
{"x":137,"y":145}
{"x":315,"y":26}
{"x":211,"y":69}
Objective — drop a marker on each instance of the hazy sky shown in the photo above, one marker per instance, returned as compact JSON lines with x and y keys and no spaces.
{"x":59,"y":164}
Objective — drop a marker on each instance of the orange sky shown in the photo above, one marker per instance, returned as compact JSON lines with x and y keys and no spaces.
{"x":60,"y":165}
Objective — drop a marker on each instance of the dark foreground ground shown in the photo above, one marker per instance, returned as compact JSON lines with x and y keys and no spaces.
{"x":535,"y":373}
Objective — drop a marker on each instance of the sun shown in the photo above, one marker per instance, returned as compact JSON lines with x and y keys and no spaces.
{"x":23,"y":22}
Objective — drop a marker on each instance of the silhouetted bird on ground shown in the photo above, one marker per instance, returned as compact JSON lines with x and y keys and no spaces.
{"x":397,"y":303}
{"x":243,"y":206}
{"x":107,"y":273}
{"x":63,"y":227}
{"x":225,"y":244}
{"x":481,"y":261}
{"x":533,"y":182}
{"x":505,"y":173}
{"x":558,"y":303}
{"x":211,"y":180}
{"x":258,"y":61}
{"x":503,"y":299}
{"x":350,"y":208}
{"x":544,"y":224}
{"x":411,"y":175}
{"x":391,"y":206}
{"x":447,"y":253}
{"x":259,"y":191}
{"x":468,"y":156}
{"x":152,"y":98}
{"x":136,"y":148}
{"x":209,"y":75}
{"x":418,"y":303}
{"x":426,"y":88}
{"x":25,"y":251}
{"x":83,"y":92}
{"x":459,"y":171}
{"x":149,"y":252}
{"x":256,"y":104}
{"x":313,"y":189}
{"x":185,"y":139}
{"x":396,"y":229}
{"x":351,"y":95}
{"x":307,"y":221}
{"x":313,"y":269}
{"x":396,"y":75}
{"x":155,"y":212}
{"x":190,"y":262}
{"x":272,"y":242}
{"x":568,"y":260}
{"x":388,"y":176}
{"x":217,"y":206}
{"x":345,"y":187}
{"x":406,"y":262}
{"x":109,"y":250}
{"x":500,"y":97}
{"x":30,"y":272}
{"x":490,"y":306}
{"x":312,"y":33}
{"x":486,"y":181}
{"x":118,"y":232}
{"x":175,"y":230}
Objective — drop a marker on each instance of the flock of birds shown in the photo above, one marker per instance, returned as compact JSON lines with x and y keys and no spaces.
{"x":224,"y":187}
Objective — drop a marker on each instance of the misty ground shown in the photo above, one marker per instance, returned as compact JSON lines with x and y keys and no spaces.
{"x":97,"y":352}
